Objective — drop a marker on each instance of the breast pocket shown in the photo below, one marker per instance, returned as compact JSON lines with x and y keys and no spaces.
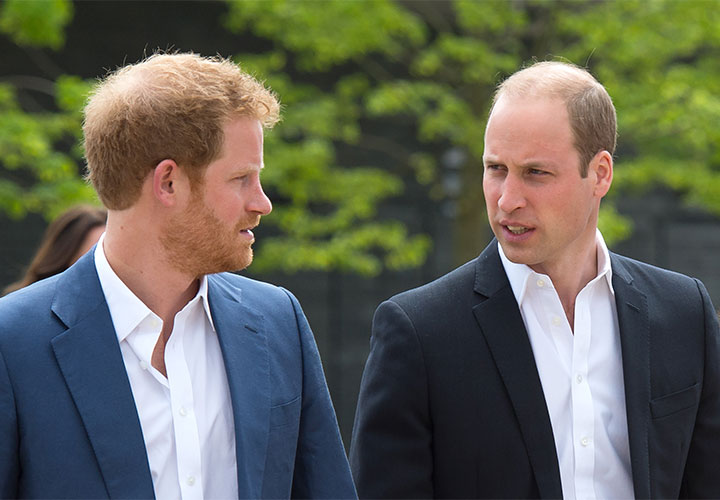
{"x":676,"y":402}
{"x":286,"y":413}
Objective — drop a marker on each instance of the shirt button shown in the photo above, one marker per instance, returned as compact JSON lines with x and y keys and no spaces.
{"x":556,"y":320}
{"x":585,"y":441}
{"x":154,"y":323}
{"x":183,"y":412}
{"x":143,"y":364}
{"x":191,"y":480}
{"x":540,"y":283}
{"x":579,"y":379}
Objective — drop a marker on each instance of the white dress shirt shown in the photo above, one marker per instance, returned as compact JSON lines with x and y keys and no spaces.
{"x":582,"y":378}
{"x":186,"y":418}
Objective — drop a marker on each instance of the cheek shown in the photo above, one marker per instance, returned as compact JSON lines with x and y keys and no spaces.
{"x":489,"y":192}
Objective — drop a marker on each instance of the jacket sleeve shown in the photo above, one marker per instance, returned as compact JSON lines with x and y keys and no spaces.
{"x":321,"y":466}
{"x":9,"y":466}
{"x":391,"y":451}
{"x":701,"y":478}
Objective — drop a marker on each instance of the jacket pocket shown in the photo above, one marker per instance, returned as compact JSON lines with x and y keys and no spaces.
{"x":675,"y":402}
{"x":286,"y":413}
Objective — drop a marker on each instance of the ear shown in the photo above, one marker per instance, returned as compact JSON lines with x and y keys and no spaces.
{"x":602,"y":167}
{"x":165,"y":179}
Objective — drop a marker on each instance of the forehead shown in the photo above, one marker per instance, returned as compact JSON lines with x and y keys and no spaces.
{"x":242,"y":150}
{"x":242,"y":141}
{"x":527,"y":124}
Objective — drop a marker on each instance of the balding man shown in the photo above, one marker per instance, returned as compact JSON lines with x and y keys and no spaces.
{"x":548,"y":367}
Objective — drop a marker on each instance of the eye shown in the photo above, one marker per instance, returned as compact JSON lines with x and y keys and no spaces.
{"x":535,"y":171}
{"x":495,"y":167}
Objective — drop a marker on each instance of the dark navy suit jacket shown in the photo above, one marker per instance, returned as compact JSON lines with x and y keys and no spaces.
{"x":68,"y":423}
{"x":451,"y":404}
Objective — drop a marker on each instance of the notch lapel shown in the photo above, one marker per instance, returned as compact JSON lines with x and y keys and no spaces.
{"x":243,"y":340}
{"x":632,"y":312}
{"x":91,"y":362}
{"x":502,"y":325}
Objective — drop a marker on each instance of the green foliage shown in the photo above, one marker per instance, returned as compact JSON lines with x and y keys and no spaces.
{"x":324,"y":33}
{"x":395,"y":69}
{"x":614,"y":226}
{"x":36,"y":23}
{"x":347,"y":250}
{"x":437,"y":76}
{"x":327,"y":215}
{"x":39,"y":177}
{"x":377,"y":90}
{"x":658,"y":60}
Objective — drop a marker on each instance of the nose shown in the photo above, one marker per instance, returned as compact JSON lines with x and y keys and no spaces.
{"x":511,"y":194}
{"x":259,"y":202}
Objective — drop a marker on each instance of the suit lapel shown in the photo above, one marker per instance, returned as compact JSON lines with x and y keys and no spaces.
{"x":90,"y":360}
{"x":632,"y":311}
{"x":502,"y":325}
{"x":243,"y":341}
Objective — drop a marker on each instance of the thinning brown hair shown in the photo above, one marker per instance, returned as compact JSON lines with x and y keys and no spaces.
{"x":590,"y":109}
{"x":168,"y":106}
{"x":60,"y":244}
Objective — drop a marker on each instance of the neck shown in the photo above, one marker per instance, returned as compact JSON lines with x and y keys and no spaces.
{"x":570,"y":275}
{"x":137,"y":257}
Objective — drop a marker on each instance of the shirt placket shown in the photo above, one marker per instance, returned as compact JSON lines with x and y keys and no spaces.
{"x":184,"y":416}
{"x":582,"y":403}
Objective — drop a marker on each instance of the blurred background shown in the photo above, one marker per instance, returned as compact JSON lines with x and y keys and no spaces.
{"x":375,"y":171}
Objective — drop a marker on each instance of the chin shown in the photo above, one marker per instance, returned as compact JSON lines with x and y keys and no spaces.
{"x":516,"y":257}
{"x":241,"y":262}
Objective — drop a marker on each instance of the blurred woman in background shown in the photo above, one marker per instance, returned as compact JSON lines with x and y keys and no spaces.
{"x":66,"y":239}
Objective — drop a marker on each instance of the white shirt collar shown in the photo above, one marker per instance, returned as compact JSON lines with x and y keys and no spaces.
{"x":519,"y":275}
{"x":126,"y":309}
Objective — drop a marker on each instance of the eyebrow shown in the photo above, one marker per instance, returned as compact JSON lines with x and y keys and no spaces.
{"x":492,"y":159}
{"x":248,"y":167}
{"x":537,"y":164}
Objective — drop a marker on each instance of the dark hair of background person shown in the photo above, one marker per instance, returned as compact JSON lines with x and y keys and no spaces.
{"x":62,"y":241}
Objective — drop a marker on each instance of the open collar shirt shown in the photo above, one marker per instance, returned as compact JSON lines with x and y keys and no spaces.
{"x":186,"y":418}
{"x":581,"y":374}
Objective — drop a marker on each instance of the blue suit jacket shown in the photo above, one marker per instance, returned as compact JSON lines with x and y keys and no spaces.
{"x":68,"y":423}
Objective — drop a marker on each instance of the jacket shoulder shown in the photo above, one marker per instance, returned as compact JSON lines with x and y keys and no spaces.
{"x":442,"y":293}
{"x":642,"y":273}
{"x":21,"y":308}
{"x":258,"y":294}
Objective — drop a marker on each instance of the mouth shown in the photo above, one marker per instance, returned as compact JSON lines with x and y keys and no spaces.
{"x":518,"y":230}
{"x":514,"y":232}
{"x":248,"y":231}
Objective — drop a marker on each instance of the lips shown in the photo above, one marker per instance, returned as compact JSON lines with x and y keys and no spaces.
{"x":518,"y":229}
{"x":515,"y":231}
{"x":247,"y":230}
